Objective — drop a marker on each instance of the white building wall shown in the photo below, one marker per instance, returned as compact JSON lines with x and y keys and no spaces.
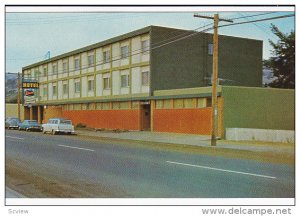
{"x":99,"y":59}
{"x":50,"y":71}
{"x":135,"y":80}
{"x":84,"y":86}
{"x":136,"y":50}
{"x":71,"y":88}
{"x":71,"y":65}
{"x":50,"y":95}
{"x":84,"y":62}
{"x":116,"y":82}
{"x":116,"y":54}
{"x":59,"y":68}
{"x":59,"y":90}
{"x":41,"y":92}
{"x":99,"y":85}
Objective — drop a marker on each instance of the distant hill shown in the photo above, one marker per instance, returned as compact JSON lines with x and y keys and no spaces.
{"x":11,"y":89}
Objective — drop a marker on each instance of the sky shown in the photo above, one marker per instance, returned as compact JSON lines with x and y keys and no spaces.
{"x":29,"y":36}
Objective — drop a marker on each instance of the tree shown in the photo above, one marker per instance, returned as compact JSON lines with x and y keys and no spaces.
{"x":282,"y":63}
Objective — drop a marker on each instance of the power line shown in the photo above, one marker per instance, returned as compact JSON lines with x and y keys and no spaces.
{"x":184,"y":37}
{"x":260,"y":20}
{"x":248,"y":16}
{"x":113,"y":59}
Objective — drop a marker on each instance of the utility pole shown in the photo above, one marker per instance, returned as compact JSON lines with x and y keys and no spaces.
{"x":214,"y":93}
{"x":19,"y":97}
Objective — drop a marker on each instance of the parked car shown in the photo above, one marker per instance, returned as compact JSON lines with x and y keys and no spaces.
{"x":12,"y":123}
{"x":30,"y":125}
{"x":58,"y":125}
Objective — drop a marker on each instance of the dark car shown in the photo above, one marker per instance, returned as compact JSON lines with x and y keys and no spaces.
{"x":12,"y":123}
{"x":30,"y":125}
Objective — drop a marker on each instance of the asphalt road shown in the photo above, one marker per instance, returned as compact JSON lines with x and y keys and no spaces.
{"x":114,"y":170}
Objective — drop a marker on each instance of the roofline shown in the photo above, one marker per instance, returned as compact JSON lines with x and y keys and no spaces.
{"x":92,"y":46}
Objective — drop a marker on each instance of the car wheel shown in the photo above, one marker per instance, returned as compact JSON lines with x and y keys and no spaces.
{"x":43,"y":130}
{"x":53,"y":132}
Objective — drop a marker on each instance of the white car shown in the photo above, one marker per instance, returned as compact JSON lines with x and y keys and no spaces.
{"x":58,"y":125}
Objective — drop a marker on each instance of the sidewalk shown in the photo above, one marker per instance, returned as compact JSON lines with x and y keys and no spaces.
{"x":191,"y":140}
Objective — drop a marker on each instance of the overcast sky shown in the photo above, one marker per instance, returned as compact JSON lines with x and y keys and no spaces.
{"x":29,"y":36}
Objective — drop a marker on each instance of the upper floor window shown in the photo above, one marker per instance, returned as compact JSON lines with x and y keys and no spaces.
{"x":90,"y":85}
{"x":54,"y":69}
{"x":90,"y":60}
{"x":44,"y":71}
{"x":124,"y":80}
{"x":145,"y":78}
{"x":77,"y":64}
{"x":145,"y":46}
{"x":65,"y":88}
{"x":64,"y":67}
{"x":124,"y":51}
{"x":77,"y":87}
{"x":210,"y":49}
{"x":106,"y":56}
{"x":106,"y":83}
{"x":45,"y":91}
{"x":54,"y":90}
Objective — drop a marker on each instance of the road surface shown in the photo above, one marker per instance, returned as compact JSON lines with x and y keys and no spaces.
{"x":39,"y":165}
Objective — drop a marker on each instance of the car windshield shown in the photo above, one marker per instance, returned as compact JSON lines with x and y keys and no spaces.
{"x":32,"y":122}
{"x":66,"y":122}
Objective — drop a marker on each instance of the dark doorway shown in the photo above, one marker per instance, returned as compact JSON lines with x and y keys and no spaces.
{"x":145,"y":117}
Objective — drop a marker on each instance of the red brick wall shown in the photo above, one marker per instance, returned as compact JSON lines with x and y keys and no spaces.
{"x":108,"y":119}
{"x":193,"y":121}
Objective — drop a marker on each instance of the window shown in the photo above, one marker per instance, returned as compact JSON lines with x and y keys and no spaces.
{"x":106,"y":56}
{"x":76,"y":64}
{"x":54,"y":92}
{"x":64,"y":67}
{"x":91,"y":85}
{"x":44,"y":71}
{"x":145,"y":46}
{"x":106,"y":83}
{"x":45,"y":91}
{"x":124,"y":81}
{"x":35,"y":75}
{"x":145,"y":78}
{"x":210,"y":49}
{"x":54,"y":69}
{"x":91,"y":60}
{"x":65,"y":88}
{"x":124,"y":52}
{"x":77,"y":87}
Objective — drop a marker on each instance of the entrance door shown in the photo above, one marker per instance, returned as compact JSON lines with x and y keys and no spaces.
{"x":145,"y":116}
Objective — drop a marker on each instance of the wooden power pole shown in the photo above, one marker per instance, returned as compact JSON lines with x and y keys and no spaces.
{"x":214,"y":93}
{"x":19,"y":97}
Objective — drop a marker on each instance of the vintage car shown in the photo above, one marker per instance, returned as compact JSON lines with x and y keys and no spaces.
{"x":58,"y":125}
{"x":30,"y":125}
{"x":12,"y":123}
